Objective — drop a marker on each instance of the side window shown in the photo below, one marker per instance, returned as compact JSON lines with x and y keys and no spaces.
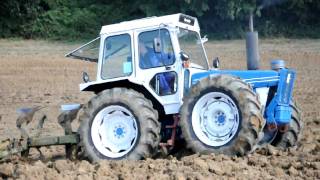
{"x":149,"y":57}
{"x":88,"y":51}
{"x":117,"y":57}
{"x":164,"y":83}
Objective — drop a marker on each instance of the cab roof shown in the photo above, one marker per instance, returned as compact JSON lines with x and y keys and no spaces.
{"x":178,"y":20}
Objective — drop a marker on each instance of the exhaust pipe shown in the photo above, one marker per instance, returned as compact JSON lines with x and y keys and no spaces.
{"x":253,"y":58}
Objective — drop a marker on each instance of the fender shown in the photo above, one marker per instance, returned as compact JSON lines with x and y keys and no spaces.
{"x":256,"y":78}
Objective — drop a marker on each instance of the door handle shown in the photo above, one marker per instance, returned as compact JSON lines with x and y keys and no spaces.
{"x":168,"y":68}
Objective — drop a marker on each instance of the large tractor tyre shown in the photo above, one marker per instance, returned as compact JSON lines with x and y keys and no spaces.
{"x":119,"y":123}
{"x":221,"y":115}
{"x":291,"y":137}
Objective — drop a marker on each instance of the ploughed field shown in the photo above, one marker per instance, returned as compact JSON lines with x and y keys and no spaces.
{"x":37,"y":73}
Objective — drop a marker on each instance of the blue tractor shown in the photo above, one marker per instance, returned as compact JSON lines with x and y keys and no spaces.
{"x":154,"y":87}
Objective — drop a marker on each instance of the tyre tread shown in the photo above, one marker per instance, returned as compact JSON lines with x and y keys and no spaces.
{"x":143,"y":109}
{"x":248,"y":104}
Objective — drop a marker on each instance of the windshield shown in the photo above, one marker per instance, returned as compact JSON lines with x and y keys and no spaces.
{"x":190,"y":43}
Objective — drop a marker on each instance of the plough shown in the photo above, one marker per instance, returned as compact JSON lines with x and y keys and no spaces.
{"x":21,"y":146}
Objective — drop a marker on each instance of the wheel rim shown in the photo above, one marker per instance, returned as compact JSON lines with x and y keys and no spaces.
{"x":215,"y":119}
{"x":114,"y":131}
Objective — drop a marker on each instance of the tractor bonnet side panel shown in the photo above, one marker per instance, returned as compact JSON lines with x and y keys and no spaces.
{"x":256,"y":78}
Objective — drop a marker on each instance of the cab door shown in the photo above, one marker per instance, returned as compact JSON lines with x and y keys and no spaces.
{"x":157,"y":66}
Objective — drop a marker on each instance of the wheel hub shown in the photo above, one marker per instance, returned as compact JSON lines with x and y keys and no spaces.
{"x":215,"y":119}
{"x":119,"y":132}
{"x":220,"y":119}
{"x":114,"y":131}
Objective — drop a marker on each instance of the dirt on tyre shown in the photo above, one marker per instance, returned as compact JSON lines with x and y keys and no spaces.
{"x":222,"y":115}
{"x":119,"y":123}
{"x":291,"y":137}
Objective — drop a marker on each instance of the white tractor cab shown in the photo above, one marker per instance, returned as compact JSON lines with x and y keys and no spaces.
{"x":154,"y":87}
{"x":120,"y":57}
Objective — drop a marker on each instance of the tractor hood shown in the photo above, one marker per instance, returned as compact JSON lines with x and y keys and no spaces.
{"x":257,"y":78}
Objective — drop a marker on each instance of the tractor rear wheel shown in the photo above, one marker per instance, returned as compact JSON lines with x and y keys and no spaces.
{"x":222,"y":115}
{"x":291,"y":137}
{"x":119,"y":123}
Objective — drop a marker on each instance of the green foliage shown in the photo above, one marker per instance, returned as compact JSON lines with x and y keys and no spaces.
{"x":82,"y":19}
{"x":15,"y":15}
{"x":65,"y":22}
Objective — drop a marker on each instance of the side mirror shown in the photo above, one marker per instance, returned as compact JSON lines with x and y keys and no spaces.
{"x":85,"y":77}
{"x":157,"y":45}
{"x":216,"y":63}
{"x":184,"y":56}
{"x":204,"y":39}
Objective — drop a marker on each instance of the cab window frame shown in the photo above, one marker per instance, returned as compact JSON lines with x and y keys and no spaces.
{"x":171,"y":43}
{"x":175,"y":85}
{"x":104,"y":53}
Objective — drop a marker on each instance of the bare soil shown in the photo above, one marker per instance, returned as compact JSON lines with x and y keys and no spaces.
{"x":37,"y":73}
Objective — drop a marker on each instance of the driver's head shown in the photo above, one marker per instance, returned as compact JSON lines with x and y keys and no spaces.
{"x":142,"y":48}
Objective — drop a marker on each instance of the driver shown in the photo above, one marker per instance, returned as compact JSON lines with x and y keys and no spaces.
{"x":149,"y":59}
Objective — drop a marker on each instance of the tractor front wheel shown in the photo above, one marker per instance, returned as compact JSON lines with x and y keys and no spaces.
{"x":221,"y":115}
{"x":291,"y":137}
